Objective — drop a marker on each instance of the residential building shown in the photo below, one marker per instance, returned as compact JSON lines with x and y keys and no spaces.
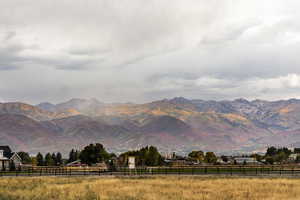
{"x":9,"y":158}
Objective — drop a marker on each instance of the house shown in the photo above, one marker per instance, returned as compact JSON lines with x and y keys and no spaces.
{"x":9,"y":158}
{"x":293,"y":156}
{"x":76,"y":163}
{"x":246,"y":160}
{"x":179,"y":162}
{"x":221,"y":161}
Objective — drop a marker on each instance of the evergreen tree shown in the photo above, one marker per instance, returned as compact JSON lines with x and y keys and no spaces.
{"x":26,"y":159}
{"x":76,"y":155}
{"x":54,"y":159}
{"x":72,"y":156}
{"x":40,"y":159}
{"x":49,"y":160}
{"x":58,"y":159}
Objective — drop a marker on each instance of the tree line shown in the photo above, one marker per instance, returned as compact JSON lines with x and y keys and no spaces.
{"x":145,"y":156}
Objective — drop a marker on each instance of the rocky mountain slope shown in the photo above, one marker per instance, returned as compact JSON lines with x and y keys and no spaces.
{"x":176,"y":124}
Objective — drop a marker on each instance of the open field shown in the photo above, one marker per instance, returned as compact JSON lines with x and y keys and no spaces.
{"x":148,"y":188}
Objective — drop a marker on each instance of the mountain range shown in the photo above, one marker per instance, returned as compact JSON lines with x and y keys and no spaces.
{"x":177,"y":124}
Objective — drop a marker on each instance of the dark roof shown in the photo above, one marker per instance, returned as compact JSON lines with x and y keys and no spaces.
{"x":6,"y":151}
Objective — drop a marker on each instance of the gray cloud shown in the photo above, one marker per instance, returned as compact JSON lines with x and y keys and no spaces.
{"x":139,"y":51}
{"x":10,"y":52}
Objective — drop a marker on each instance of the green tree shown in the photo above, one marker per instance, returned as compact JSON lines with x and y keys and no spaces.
{"x":271,"y":151}
{"x":49,"y":160}
{"x":280,"y":157}
{"x":297,"y":150}
{"x":53,"y":158}
{"x":197,"y":155}
{"x":26,"y":159}
{"x":77,"y":155}
{"x":269,"y":160}
{"x":210,"y":157}
{"x":94,"y":153}
{"x":257,"y":157}
{"x":58,"y":159}
{"x":153,"y":158}
{"x":297,"y":159}
{"x":40,"y":159}
{"x":72,"y":156}
{"x":286,"y":151}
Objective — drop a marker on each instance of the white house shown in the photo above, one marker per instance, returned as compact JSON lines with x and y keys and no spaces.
{"x":293,"y":156}
{"x":246,"y":160}
{"x":9,"y":158}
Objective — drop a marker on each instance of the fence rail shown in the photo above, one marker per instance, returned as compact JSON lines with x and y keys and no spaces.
{"x":199,"y":170}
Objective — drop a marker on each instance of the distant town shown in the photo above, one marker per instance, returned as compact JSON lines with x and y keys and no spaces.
{"x":95,"y":155}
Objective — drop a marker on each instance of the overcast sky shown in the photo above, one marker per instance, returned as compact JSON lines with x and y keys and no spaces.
{"x":134,"y":50}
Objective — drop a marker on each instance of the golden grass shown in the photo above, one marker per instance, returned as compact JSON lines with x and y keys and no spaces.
{"x":151,"y":188}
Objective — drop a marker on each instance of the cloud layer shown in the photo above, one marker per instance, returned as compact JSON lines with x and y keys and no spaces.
{"x":139,"y":51}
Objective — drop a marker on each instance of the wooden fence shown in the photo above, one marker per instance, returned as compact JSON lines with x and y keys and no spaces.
{"x":276,"y":170}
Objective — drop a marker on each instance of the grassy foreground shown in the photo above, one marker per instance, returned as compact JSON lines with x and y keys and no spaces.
{"x":154,"y":188}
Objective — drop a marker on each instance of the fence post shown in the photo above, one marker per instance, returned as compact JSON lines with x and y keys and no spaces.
{"x":231,"y":170}
{"x":205,"y":170}
{"x":280,"y":170}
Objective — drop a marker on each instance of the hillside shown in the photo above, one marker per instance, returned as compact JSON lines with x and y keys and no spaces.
{"x":176,"y":124}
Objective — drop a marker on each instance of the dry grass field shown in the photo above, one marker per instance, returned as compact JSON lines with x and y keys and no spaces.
{"x":154,"y":188}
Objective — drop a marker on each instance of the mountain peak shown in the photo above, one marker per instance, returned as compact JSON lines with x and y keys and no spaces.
{"x":241,"y":100}
{"x":180,"y":100}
